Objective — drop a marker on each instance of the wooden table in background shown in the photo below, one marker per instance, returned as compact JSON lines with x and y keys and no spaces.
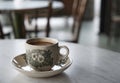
{"x":16,"y":10}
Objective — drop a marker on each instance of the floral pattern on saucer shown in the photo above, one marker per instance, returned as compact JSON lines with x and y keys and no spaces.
{"x":20,"y":64}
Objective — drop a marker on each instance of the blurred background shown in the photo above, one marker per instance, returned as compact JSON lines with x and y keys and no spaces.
{"x":99,"y":23}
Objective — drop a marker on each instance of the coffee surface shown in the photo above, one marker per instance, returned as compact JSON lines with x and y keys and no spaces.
{"x":40,"y":43}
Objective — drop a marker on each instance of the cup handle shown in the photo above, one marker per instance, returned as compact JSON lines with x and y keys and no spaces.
{"x":63,"y":57}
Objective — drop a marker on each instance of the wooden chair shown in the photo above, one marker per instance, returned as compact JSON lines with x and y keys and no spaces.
{"x":62,"y":13}
{"x":77,"y":15}
{"x":34,"y":15}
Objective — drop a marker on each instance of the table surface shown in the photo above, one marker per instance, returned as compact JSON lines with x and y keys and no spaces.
{"x":24,"y":5}
{"x":90,"y":65}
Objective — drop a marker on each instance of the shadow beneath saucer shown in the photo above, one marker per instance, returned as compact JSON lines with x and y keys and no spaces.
{"x":61,"y":78}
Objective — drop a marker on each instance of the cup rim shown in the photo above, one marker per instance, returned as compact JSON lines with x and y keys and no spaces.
{"x":53,"y":40}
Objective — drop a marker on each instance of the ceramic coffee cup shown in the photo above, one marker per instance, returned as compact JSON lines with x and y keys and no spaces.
{"x":43,"y":53}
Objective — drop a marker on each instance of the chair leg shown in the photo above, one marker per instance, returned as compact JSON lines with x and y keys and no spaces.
{"x":48,"y":29}
{"x":67,"y":21}
{"x":36,"y":31}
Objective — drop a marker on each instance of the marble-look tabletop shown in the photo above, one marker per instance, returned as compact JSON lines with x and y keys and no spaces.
{"x":90,"y":65}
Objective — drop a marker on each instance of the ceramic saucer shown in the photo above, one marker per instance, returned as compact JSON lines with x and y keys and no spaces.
{"x":20,"y":64}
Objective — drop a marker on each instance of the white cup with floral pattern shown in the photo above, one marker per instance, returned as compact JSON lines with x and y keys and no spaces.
{"x":43,"y":53}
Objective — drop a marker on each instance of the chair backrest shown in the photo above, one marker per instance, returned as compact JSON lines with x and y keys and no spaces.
{"x":45,"y":12}
{"x":48,"y":18}
{"x":1,"y":32}
{"x":78,"y":9}
{"x":67,"y":6}
{"x":78,"y":13}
